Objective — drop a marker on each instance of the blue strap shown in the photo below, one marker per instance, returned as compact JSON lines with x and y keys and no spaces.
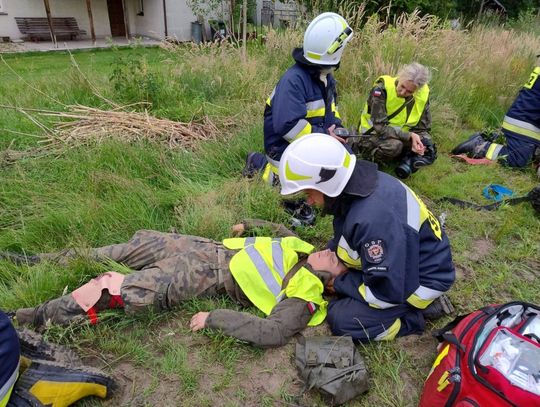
{"x":496,"y":192}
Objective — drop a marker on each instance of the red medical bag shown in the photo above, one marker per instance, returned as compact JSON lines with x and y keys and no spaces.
{"x":490,"y":358}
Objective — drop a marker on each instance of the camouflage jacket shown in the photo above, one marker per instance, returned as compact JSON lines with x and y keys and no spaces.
{"x":377,"y":108}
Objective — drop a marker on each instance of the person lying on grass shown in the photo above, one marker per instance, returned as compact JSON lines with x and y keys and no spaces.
{"x":282,"y":277}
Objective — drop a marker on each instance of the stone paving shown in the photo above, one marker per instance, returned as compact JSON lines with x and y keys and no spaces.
{"x":46,"y":46}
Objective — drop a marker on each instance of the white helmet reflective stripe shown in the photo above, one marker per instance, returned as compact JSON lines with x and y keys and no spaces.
{"x":317,"y":161}
{"x":325,"y":38}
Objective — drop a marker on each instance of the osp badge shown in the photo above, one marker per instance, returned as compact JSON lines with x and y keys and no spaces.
{"x":374,"y":251}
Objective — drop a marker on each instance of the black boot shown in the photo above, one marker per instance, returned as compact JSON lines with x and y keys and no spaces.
{"x":250,"y":169}
{"x":255,"y":163}
{"x":475,"y":147}
{"x":302,"y":213}
{"x":439,"y":308}
{"x":534,"y":197}
{"x":430,"y":155}
{"x":536,"y":161}
{"x":412,"y":162}
{"x":20,"y":259}
{"x":405,"y":167}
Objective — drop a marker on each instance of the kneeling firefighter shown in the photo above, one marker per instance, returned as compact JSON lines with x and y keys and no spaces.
{"x":42,"y":380}
{"x":304,"y":100}
{"x":399,"y":255}
{"x":520,"y":128}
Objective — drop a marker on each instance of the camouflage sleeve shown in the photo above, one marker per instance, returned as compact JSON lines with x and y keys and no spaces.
{"x":287,"y":318}
{"x":377,"y":108}
{"x":276,"y":229}
{"x":423,"y":128}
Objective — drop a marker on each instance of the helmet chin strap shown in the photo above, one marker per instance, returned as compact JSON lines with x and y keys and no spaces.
{"x":327,"y":70}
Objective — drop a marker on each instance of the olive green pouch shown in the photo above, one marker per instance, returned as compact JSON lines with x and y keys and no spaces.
{"x":333,"y":366}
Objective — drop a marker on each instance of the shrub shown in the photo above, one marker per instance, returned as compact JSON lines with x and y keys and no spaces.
{"x":134,"y":82}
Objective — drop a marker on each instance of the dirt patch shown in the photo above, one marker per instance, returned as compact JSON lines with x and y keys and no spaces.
{"x":133,"y":382}
{"x":481,"y":248}
{"x":529,"y":272}
{"x":464,"y":272}
{"x":269,"y":377}
{"x":256,"y":378}
{"x":529,"y":275}
{"x":420,"y":348}
{"x":274,"y":374}
{"x":273,"y":361}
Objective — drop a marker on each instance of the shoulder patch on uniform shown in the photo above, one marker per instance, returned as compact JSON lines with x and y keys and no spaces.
{"x":374,"y":251}
{"x":311,"y":307}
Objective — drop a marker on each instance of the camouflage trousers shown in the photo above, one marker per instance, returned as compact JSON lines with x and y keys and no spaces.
{"x":379,"y":148}
{"x":168,"y":268}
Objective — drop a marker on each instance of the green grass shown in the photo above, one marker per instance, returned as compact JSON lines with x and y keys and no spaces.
{"x":102,"y":194}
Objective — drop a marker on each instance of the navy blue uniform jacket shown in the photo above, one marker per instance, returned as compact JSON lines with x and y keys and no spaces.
{"x":385,"y":232}
{"x":300,"y":104}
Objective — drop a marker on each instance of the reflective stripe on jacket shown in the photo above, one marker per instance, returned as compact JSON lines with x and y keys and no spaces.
{"x":300,"y":104}
{"x":523,"y":117}
{"x":7,"y":387}
{"x":393,"y":103}
{"x":397,"y":245}
{"x":261,"y":265}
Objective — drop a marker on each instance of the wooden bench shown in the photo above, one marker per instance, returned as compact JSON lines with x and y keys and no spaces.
{"x":38,"y":27}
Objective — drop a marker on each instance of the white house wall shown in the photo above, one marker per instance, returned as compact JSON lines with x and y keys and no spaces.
{"x":179,"y":18}
{"x":59,"y":8}
{"x":151,"y":24}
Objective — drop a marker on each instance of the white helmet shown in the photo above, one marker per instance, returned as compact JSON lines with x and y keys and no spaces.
{"x":316,"y":161}
{"x":325,"y":39}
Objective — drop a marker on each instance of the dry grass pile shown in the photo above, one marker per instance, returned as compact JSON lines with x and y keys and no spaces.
{"x":88,"y":125}
{"x":84,"y":126}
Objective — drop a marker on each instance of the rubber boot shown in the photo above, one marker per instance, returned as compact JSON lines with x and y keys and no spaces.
{"x":302,"y":213}
{"x":20,"y":259}
{"x":475,"y":147}
{"x":255,"y":162}
{"x":439,"y":308}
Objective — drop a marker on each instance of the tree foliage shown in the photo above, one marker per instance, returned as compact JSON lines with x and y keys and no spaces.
{"x":442,"y":8}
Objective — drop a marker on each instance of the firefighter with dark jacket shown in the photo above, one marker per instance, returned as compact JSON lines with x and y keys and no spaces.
{"x":9,"y":358}
{"x":396,"y":121}
{"x":279,"y":276}
{"x":399,"y":255}
{"x":305,"y":99}
{"x":520,"y":127}
{"x":31,"y":374}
